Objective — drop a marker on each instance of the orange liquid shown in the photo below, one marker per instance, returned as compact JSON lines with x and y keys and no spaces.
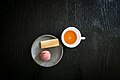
{"x":70,"y":37}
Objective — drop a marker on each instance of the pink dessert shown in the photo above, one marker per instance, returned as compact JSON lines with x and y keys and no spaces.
{"x":45,"y":55}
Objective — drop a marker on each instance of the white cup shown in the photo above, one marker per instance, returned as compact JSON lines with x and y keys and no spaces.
{"x":78,"y":34}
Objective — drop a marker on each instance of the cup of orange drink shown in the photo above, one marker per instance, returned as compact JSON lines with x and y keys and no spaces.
{"x":71,"y":37}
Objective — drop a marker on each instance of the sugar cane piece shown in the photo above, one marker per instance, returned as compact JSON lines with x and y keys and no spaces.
{"x":49,"y":43}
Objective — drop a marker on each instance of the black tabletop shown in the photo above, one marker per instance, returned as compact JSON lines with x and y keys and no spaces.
{"x":96,"y":58}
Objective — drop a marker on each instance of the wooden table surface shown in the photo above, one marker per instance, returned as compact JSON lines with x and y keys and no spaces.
{"x":96,"y":58}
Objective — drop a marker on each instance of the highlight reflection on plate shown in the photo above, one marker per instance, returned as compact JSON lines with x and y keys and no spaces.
{"x":56,"y":52}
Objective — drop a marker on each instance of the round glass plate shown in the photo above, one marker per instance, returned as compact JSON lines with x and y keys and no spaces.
{"x":56,"y":52}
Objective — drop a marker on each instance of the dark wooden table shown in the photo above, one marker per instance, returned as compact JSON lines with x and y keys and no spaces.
{"x":96,"y":58}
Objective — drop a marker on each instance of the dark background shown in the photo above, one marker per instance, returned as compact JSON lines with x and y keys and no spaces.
{"x":96,"y":58}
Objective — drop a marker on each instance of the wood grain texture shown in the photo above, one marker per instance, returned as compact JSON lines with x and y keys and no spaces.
{"x":96,"y":58}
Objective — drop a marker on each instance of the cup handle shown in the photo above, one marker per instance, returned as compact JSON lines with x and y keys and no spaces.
{"x":83,"y":38}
